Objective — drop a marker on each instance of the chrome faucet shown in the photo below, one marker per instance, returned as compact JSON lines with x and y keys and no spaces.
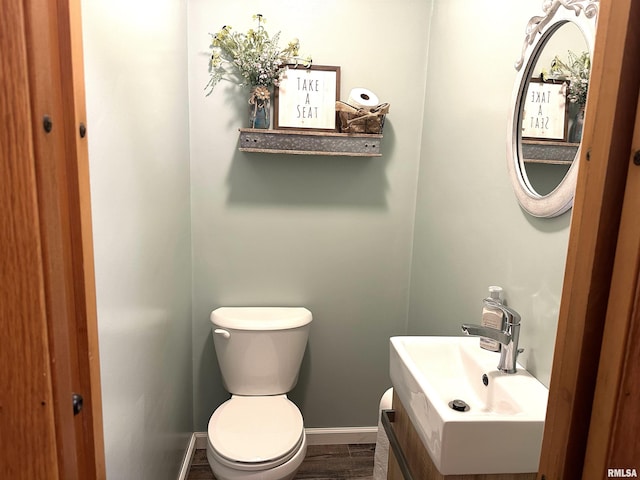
{"x":508,"y":337}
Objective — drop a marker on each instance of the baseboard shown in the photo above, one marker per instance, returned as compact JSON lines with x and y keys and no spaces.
{"x":201,"y":440}
{"x":188,"y":457}
{"x":319,"y":436}
{"x":315,"y":436}
{"x":341,"y":435}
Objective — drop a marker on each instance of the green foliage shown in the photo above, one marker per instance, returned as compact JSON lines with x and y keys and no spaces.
{"x":576,"y":69}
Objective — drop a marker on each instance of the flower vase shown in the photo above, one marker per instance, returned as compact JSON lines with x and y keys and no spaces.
{"x":575,"y":133}
{"x":259,"y":107}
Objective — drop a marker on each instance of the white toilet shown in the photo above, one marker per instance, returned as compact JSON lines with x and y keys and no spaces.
{"x":258,"y":434}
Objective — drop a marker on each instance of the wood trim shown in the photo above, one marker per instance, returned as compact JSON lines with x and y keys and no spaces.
{"x":88,"y":425}
{"x":613,"y":438}
{"x":596,"y":217}
{"x":27,"y":400}
{"x":45,"y":44}
{"x":51,"y":184}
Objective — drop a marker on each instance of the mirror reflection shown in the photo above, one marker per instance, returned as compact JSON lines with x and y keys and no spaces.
{"x":552,"y":107}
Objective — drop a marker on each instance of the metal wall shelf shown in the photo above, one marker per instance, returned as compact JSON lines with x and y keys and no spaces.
{"x":555,"y":153}
{"x":302,"y":142}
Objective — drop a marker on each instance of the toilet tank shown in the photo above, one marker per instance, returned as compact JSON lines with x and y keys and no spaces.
{"x":260,"y":349}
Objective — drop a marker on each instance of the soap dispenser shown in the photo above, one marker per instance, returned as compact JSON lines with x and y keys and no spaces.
{"x":492,"y":317}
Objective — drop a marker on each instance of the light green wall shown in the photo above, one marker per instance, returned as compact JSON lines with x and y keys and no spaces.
{"x":406,"y":243}
{"x":469,"y":230}
{"x":333,"y":234}
{"x":330,"y":233}
{"x":138,"y":133}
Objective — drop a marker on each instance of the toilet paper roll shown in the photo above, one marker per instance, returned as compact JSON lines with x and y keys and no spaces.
{"x":363,"y":98}
{"x":382,"y":442}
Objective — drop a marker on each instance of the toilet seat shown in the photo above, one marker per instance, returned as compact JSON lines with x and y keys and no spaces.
{"x":255,"y":433}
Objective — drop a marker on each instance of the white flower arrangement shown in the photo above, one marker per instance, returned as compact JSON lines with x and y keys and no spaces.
{"x":576,"y":69}
{"x":250,"y":59}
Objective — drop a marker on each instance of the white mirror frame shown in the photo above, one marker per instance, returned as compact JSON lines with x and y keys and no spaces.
{"x":584,"y":14}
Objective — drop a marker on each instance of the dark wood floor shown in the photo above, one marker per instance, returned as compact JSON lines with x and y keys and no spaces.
{"x":322,"y":462}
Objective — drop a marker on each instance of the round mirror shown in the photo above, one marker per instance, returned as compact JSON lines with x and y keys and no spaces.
{"x":545,"y":126}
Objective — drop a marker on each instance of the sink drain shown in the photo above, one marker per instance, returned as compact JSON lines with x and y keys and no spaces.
{"x":459,"y":405}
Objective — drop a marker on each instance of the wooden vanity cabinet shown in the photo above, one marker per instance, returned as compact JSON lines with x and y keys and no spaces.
{"x":418,"y":459}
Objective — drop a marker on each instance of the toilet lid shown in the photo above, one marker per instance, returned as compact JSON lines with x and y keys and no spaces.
{"x":255,"y":429}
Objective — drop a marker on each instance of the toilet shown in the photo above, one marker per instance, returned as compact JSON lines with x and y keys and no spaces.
{"x":258,"y":434}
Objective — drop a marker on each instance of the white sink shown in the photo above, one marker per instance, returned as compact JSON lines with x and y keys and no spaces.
{"x":501,"y":432}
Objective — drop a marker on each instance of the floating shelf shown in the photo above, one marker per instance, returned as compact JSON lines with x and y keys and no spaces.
{"x":554,"y":153}
{"x":302,"y":142}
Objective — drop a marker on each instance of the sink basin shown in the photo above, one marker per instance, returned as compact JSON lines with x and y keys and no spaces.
{"x":500,"y":432}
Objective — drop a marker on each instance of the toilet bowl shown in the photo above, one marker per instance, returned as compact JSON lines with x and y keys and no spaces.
{"x":258,"y":434}
{"x":256,"y":438}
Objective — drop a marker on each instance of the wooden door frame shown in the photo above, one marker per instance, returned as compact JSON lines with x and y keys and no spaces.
{"x":615,"y":420}
{"x":605,"y":157}
{"x":45,"y":155}
{"x":80,"y":234}
{"x":27,"y":422}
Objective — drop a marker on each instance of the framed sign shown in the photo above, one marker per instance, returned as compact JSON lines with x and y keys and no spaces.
{"x":306,"y":98}
{"x":544,"y":114}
